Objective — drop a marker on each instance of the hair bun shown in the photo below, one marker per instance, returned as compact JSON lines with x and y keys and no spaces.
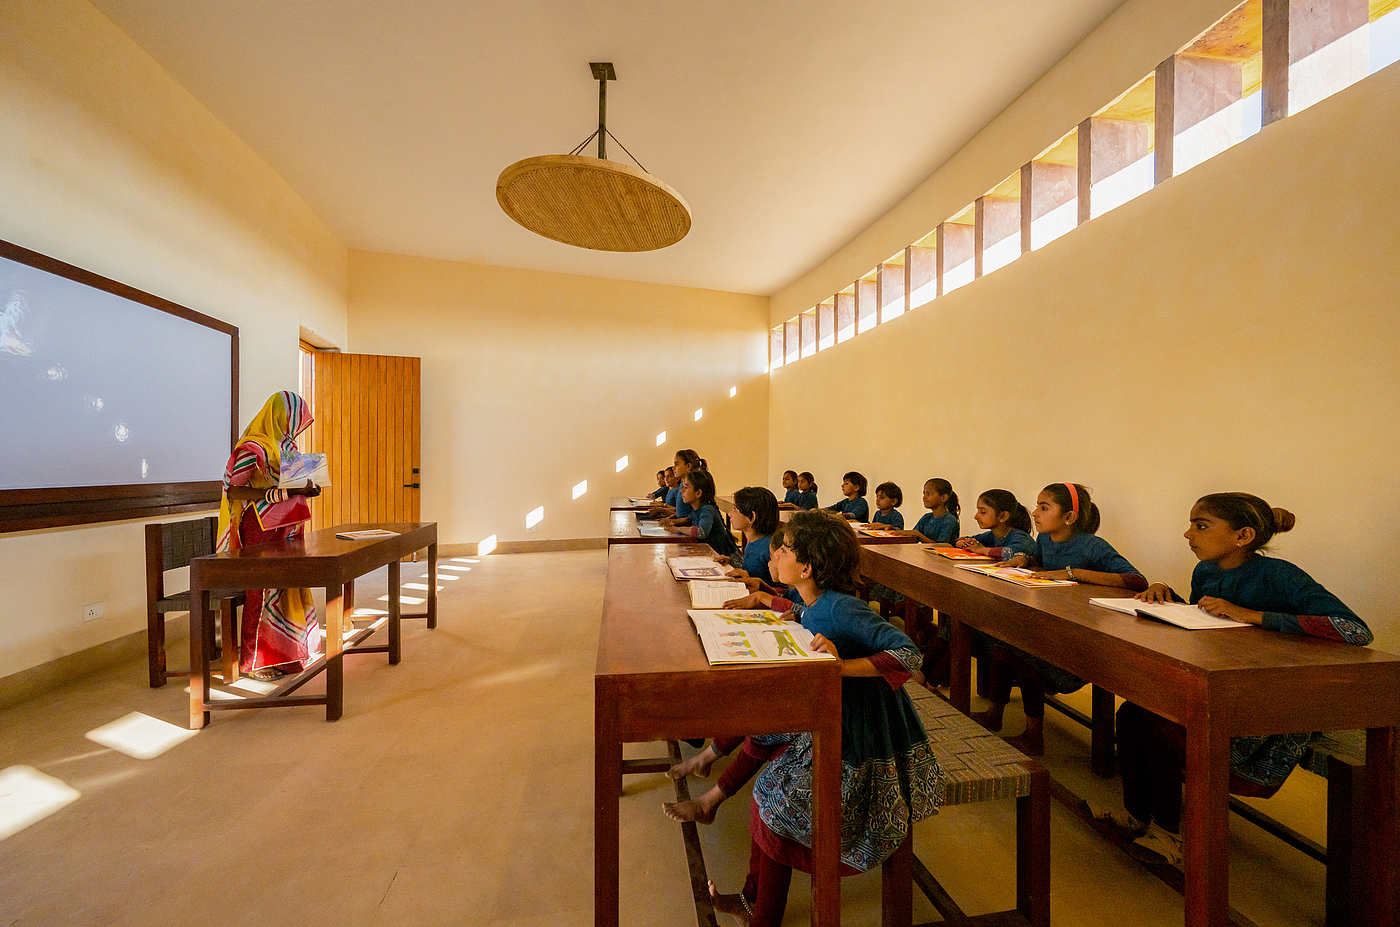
{"x":1284,"y":520}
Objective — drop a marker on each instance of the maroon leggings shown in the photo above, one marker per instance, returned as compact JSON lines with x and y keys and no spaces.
{"x":766,"y":887}
{"x":745,"y":764}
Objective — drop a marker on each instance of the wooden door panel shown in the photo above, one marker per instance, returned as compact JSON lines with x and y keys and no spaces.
{"x":366,"y":422}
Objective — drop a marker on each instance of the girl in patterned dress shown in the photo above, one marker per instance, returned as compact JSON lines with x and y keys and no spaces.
{"x":1234,"y":580}
{"x":278,"y":624}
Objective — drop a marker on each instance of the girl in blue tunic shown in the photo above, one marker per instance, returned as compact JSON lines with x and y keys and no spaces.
{"x":707,"y":524}
{"x":1066,"y":547}
{"x":1234,"y":580}
{"x":806,"y":491}
{"x":888,"y":498}
{"x":889,"y":775}
{"x":756,"y":517}
{"x":676,"y":508}
{"x":790,"y":490}
{"x":940,"y":525}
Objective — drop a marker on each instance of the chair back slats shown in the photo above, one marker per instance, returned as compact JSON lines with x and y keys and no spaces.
{"x":182,"y":541}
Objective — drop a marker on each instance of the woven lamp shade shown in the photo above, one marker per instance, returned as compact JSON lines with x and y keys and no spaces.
{"x":592,"y":203}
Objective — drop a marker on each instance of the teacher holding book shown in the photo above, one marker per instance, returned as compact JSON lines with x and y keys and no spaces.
{"x":278,"y":624}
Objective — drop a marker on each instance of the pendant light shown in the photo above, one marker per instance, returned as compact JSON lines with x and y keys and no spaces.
{"x":592,"y":202}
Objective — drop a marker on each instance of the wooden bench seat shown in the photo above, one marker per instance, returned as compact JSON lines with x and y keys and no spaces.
{"x":977,"y":766}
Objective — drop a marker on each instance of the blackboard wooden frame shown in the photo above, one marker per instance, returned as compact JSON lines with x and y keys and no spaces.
{"x":31,"y":509}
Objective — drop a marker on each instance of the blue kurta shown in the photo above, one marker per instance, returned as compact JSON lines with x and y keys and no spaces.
{"x":940,"y":529}
{"x":1015,"y":542}
{"x":1294,"y":603}
{"x":792,"y":496}
{"x":710,"y":528}
{"x":890,"y":777}
{"x":659,"y":493}
{"x":892,"y":518}
{"x":856,"y":509}
{"x":757,"y":553}
{"x":806,"y":500}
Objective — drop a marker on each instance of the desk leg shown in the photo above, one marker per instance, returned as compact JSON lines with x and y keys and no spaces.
{"x":432,"y":585}
{"x":395,"y":638}
{"x":1102,"y":738}
{"x":960,"y":667}
{"x":1382,"y":809}
{"x":201,"y":632}
{"x":607,"y":794}
{"x":826,"y":811}
{"x":1205,"y":828}
{"x":335,"y":656}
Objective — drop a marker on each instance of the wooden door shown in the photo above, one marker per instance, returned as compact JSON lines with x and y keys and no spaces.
{"x":367,"y":424}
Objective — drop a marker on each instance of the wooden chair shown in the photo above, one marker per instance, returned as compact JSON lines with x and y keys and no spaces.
{"x":977,"y":766}
{"x":170,"y":546}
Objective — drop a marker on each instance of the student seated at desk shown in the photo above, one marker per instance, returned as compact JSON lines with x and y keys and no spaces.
{"x":1066,"y":548}
{"x":853,"y":507}
{"x":888,"y":498}
{"x":698,"y":491}
{"x":790,"y":490}
{"x":806,"y":491}
{"x":1227,"y":532}
{"x":940,"y":525}
{"x":890,"y":777}
{"x":756,"y":516}
{"x":662,"y":486}
{"x":676,"y":510}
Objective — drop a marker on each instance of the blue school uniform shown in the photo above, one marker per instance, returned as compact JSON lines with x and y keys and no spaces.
{"x":1015,"y":542}
{"x":805,"y":500}
{"x":856,"y":509}
{"x":940,"y":529}
{"x":757,"y":554}
{"x":1293,"y":603}
{"x":890,"y":777}
{"x":792,"y":496}
{"x":673,"y":496}
{"x":709,"y":527}
{"x":660,"y":492}
{"x":891,"y":519}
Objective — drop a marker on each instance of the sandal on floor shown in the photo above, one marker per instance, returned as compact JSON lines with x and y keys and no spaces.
{"x":265,"y":673}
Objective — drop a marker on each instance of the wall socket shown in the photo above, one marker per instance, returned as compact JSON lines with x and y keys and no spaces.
{"x":93,"y":612}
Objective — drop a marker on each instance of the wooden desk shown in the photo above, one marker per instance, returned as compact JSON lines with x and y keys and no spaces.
{"x":654,"y":683}
{"x":622,"y":529}
{"x":625,"y":504}
{"x":1217,"y":684}
{"x":315,"y":559}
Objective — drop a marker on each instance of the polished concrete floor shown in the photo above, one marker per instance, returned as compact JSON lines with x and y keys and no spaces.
{"x":457,"y":789}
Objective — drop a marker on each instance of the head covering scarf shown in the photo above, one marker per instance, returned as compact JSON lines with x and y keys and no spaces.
{"x":269,"y":437}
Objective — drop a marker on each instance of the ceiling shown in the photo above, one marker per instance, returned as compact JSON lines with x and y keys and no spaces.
{"x":788,"y":126}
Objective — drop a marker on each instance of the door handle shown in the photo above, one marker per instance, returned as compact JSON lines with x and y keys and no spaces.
{"x":410,"y":485}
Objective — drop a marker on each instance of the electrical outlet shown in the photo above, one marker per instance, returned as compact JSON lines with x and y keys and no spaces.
{"x":93,"y":612}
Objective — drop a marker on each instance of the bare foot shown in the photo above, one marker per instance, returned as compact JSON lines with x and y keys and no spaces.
{"x":700,"y":810}
{"x":731,"y":905}
{"x":991,"y":720}
{"x":1028,"y":743}
{"x":697,"y":765}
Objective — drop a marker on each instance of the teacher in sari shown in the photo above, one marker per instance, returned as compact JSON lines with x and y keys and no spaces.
{"x":279,"y":625}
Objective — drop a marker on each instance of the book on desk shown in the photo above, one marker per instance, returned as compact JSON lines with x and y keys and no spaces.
{"x":684,"y":568}
{"x":752,"y":636}
{"x":1017,"y":575}
{"x":957,"y":553}
{"x":706,"y":593}
{"x":1190,"y":617}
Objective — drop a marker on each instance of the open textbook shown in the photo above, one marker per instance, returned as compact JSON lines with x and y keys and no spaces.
{"x":753,"y":636}
{"x":876,"y":531}
{"x":957,"y":553}
{"x":650,"y":529}
{"x":711,"y":594}
{"x":297,"y":468}
{"x":1017,"y":575}
{"x":696,"y":568}
{"x":1190,"y":617}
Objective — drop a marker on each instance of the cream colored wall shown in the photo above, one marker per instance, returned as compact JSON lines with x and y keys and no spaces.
{"x":107,"y":163}
{"x":1236,"y":328}
{"x":535,"y":381}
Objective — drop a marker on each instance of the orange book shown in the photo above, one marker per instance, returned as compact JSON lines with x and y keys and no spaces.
{"x":957,"y":553}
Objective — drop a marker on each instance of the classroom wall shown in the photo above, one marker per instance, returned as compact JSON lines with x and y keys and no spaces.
{"x":107,"y":163}
{"x":534,"y":381}
{"x":1236,"y":328}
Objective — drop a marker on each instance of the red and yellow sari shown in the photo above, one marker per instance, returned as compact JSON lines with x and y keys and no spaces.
{"x":279,"y":625}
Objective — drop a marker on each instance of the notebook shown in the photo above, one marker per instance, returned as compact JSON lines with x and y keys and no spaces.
{"x":367,"y":534}
{"x":1190,"y":617}
{"x":1017,"y":575}
{"x":711,"y":594}
{"x":752,"y":636}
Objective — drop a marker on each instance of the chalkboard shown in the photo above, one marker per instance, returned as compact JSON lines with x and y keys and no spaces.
{"x":113,"y":403}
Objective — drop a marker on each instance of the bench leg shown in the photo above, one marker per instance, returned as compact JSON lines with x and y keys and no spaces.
{"x":229,"y":630}
{"x":1102,"y":733}
{"x":155,"y":645}
{"x":1345,"y":835}
{"x":1033,"y":850}
{"x":897,"y":885}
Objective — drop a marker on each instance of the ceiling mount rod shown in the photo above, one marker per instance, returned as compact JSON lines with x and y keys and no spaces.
{"x":602,"y":73}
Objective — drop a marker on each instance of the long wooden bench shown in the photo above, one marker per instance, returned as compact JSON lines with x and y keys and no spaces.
{"x":977,"y":766}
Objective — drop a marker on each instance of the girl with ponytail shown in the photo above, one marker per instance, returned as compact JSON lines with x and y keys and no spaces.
{"x":1006,"y":524}
{"x":1227,"y":533}
{"x":940,"y":526}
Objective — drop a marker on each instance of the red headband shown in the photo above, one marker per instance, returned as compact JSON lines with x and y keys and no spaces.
{"x":1073,"y":498}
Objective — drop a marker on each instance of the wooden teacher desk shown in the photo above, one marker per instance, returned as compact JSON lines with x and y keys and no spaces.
{"x":654,"y":683}
{"x":1217,"y":684}
{"x":318,"y":559}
